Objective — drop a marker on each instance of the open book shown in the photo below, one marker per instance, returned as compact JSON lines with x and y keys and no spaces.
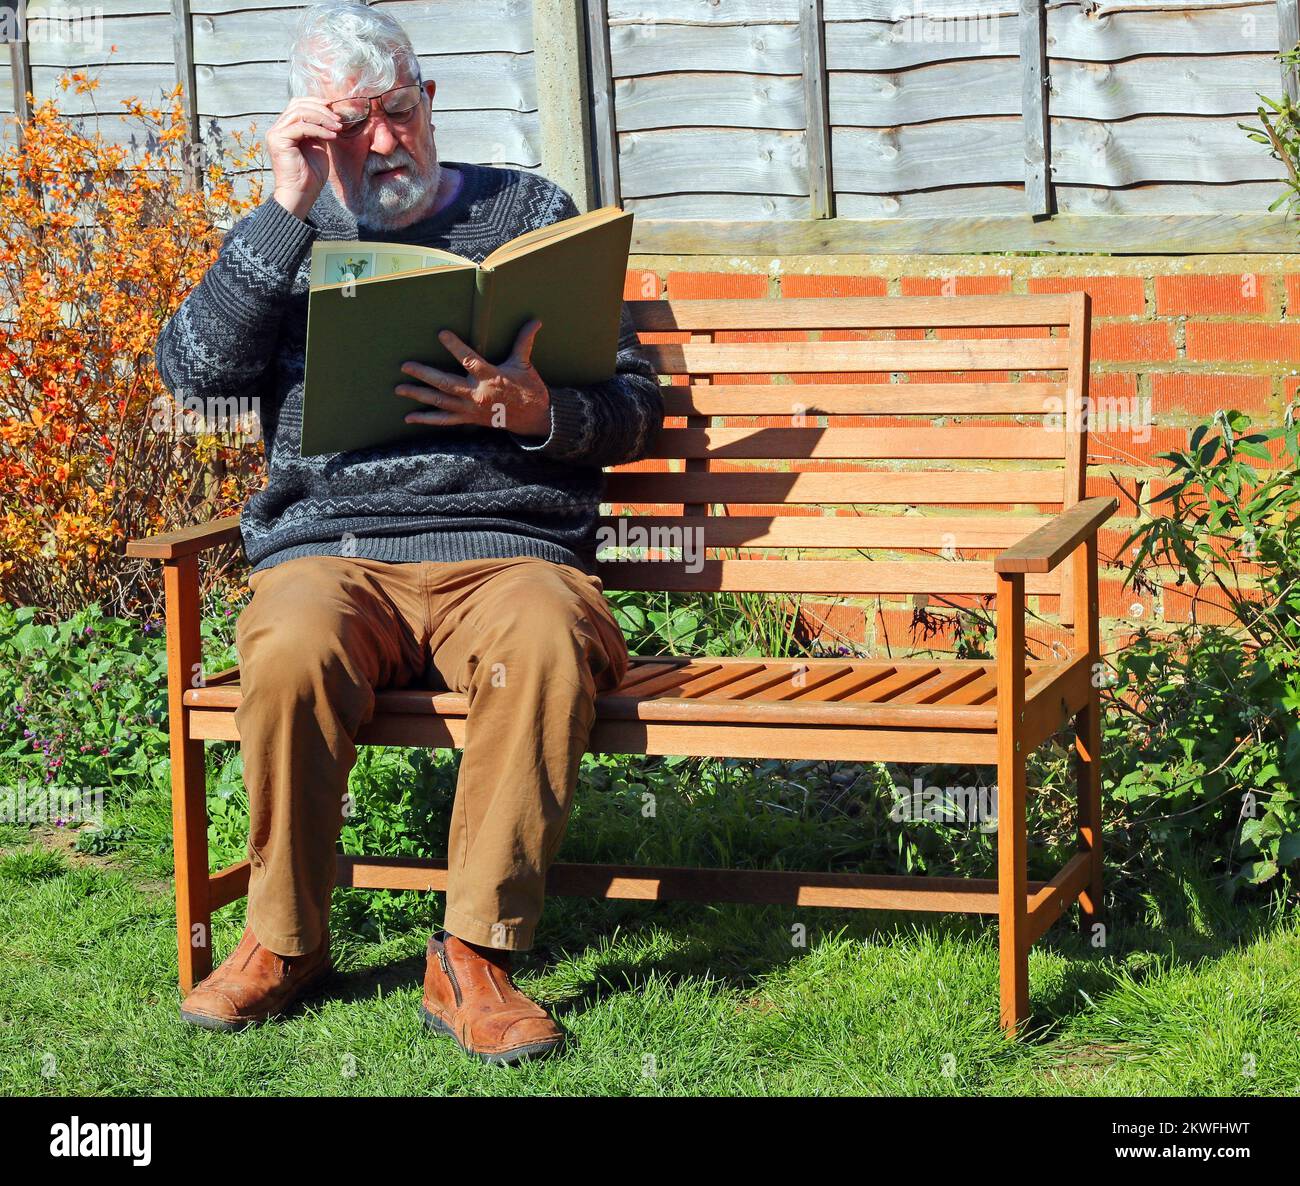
{"x":373,"y":306}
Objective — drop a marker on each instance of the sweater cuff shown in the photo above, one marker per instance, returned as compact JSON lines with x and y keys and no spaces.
{"x":568,"y":425}
{"x":277,"y":235}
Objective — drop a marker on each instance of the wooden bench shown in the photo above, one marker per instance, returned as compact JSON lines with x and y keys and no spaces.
{"x":989,"y":500}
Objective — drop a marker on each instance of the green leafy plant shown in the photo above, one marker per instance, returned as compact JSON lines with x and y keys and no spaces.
{"x":1206,"y":714}
{"x":1279,"y":128}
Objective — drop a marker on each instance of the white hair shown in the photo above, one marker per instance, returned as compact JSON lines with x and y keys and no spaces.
{"x":337,"y":39}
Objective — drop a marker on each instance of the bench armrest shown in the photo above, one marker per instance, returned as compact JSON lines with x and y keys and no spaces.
{"x":176,"y":545}
{"x":1044,"y":549}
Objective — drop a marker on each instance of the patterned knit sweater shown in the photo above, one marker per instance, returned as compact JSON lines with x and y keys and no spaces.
{"x":460,"y":493}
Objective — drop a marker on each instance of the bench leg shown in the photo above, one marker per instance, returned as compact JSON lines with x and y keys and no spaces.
{"x":189,"y":790}
{"x":1013,"y":905}
{"x":1087,"y":747}
{"x":1013,"y":948}
{"x":190,"y":838}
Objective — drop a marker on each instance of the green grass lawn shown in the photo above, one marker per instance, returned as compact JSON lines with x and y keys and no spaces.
{"x":1190,"y":997}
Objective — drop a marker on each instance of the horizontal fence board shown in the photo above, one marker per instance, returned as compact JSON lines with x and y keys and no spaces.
{"x":703,"y":12}
{"x":664,"y":48}
{"x":1172,"y":234}
{"x":466,"y":82}
{"x":507,"y":138}
{"x":861,"y":399}
{"x":512,"y":135}
{"x":722,"y":160}
{"x":716,"y":99}
{"x":947,"y":90}
{"x":148,"y":82}
{"x":955,"y":152}
{"x":853,"y":313}
{"x":67,"y":13}
{"x":462,"y":26}
{"x":817,"y":531}
{"x":123,"y":40}
{"x":980,"y":201}
{"x":760,"y":11}
{"x":778,"y":207}
{"x":1149,"y":85}
{"x":838,"y":489}
{"x":1087,"y":152}
{"x":913,"y":443}
{"x":1174,"y":28}
{"x":884,"y":45}
{"x":1155,"y":85}
{"x":726,"y":11}
{"x":1157,"y":148}
{"x":1244,"y":197}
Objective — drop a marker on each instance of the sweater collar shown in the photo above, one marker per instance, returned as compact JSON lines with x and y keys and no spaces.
{"x":333,"y":220}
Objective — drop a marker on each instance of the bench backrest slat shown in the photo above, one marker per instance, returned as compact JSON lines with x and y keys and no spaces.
{"x":837,"y":425}
{"x":860,"y":399}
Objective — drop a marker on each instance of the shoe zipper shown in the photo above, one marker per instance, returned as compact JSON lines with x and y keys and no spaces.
{"x":451,"y":976}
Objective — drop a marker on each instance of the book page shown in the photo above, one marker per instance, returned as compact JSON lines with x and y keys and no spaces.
{"x":348,"y":262}
{"x":566,"y":226}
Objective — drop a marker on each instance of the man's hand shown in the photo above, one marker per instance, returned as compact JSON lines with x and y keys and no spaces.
{"x":512,"y":396}
{"x":299,"y":160}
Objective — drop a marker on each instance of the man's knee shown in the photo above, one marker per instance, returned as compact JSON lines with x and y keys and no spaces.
{"x":547,"y":629}
{"x":300,"y":650}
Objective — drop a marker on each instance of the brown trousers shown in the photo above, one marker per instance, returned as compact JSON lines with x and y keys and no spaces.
{"x":528,"y":641}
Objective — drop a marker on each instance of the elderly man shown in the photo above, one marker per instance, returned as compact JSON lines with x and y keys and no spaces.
{"x":464,"y":558}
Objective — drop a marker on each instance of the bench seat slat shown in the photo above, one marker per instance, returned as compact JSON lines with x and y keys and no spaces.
{"x":843,"y":687}
{"x":804,"y":683}
{"x":839,"y":692}
{"x":703,"y":685}
{"x":938,"y":687}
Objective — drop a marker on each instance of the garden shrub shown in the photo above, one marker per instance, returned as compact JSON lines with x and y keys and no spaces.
{"x":99,"y":243}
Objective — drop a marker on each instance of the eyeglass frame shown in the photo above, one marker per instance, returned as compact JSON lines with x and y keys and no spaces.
{"x":354,"y":127}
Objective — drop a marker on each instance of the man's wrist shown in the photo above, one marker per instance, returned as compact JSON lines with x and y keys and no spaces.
{"x":297,"y":204}
{"x":539,"y":420}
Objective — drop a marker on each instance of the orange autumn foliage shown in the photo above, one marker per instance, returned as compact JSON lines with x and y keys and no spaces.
{"x":99,"y":243}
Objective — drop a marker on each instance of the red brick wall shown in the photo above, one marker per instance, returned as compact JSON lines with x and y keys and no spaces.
{"x":1183,"y":336}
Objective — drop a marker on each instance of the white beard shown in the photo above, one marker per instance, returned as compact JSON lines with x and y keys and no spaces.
{"x":387,"y":205}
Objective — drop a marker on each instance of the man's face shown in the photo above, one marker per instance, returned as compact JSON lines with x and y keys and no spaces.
{"x":387,"y":174}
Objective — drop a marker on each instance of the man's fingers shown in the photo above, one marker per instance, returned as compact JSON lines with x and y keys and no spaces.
{"x":456,"y":386}
{"x":307,"y":118}
{"x":435,"y":418}
{"x":473,"y":362}
{"x":304,"y":105}
{"x":523,"y":351}
{"x":310,"y":124}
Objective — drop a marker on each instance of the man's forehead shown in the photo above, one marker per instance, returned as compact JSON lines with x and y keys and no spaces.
{"x":351,"y":86}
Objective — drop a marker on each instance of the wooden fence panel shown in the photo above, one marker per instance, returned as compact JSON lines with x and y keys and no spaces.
{"x":701,"y":119}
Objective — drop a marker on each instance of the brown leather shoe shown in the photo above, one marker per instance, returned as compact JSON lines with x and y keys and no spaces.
{"x":470,"y":997}
{"x":253,"y":984}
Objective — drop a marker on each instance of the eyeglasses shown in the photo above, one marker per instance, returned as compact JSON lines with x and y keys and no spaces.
{"x":399,"y":105}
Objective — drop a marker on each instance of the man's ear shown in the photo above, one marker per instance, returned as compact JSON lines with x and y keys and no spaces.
{"x":429,"y":88}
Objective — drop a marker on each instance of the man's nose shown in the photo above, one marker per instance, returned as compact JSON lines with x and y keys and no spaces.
{"x":382,"y":139}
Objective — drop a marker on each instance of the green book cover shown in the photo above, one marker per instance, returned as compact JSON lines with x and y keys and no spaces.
{"x":373,"y":306}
